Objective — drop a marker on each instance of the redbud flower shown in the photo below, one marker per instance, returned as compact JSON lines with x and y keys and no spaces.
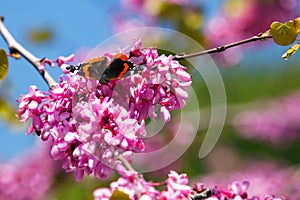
{"x":176,"y":187}
{"x":62,"y":59}
{"x":262,"y":179}
{"x":138,"y":188}
{"x":89,"y":125}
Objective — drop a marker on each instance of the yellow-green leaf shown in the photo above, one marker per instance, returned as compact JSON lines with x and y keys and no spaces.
{"x":40,"y":35}
{"x":119,"y":195}
{"x":193,"y":20}
{"x":297,"y":24}
{"x":8,"y":112}
{"x":283,"y":34}
{"x":293,"y":49}
{"x":3,"y":64}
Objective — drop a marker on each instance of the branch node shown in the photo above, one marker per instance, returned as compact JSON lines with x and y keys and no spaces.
{"x":222,"y":48}
{"x":13,"y":50}
{"x":41,"y":60}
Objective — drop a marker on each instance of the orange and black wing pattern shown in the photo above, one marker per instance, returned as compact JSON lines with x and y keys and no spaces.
{"x":119,"y":66}
{"x":99,"y":68}
{"x":93,"y":68}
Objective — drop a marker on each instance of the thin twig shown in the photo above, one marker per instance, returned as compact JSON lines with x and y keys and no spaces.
{"x":15,"y":47}
{"x":128,"y":166}
{"x":126,"y":163}
{"x":259,"y":37}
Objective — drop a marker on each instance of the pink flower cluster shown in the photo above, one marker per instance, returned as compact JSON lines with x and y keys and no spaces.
{"x":138,"y":188}
{"x":265,"y":178}
{"x":89,"y":125}
{"x":163,"y":82}
{"x":276,"y":123}
{"x":175,"y":187}
{"x":27,"y":177}
{"x":238,"y":191}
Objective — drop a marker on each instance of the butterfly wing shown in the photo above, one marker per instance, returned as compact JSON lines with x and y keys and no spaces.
{"x":93,"y":68}
{"x":116,"y":69}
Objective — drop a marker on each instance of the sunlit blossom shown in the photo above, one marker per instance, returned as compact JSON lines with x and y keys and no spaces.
{"x":90,"y":125}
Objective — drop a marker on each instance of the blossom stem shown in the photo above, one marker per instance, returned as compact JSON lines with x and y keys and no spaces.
{"x":259,"y":37}
{"x":126,"y":163}
{"x":15,"y":47}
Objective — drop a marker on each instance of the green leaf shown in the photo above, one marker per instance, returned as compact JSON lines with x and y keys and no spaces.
{"x":3,"y":64}
{"x":283,"y":34}
{"x":119,"y":195}
{"x":297,"y":24}
{"x":293,"y":49}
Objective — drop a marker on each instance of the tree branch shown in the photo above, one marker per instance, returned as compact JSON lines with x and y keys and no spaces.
{"x":15,"y":47}
{"x":260,"y":37}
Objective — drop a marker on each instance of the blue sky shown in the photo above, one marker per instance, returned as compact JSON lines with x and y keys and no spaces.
{"x":75,"y":24}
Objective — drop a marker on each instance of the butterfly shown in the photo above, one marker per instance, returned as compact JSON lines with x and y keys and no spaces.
{"x":100,"y":69}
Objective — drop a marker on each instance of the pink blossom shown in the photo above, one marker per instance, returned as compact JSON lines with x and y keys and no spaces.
{"x":263,"y":180}
{"x":62,"y":59}
{"x":27,"y":177}
{"x":238,"y":191}
{"x":89,"y":125}
{"x":134,"y":186}
{"x":278,"y":122}
{"x":176,"y":187}
{"x":138,"y":188}
{"x":162,"y":82}
{"x":28,"y":107}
